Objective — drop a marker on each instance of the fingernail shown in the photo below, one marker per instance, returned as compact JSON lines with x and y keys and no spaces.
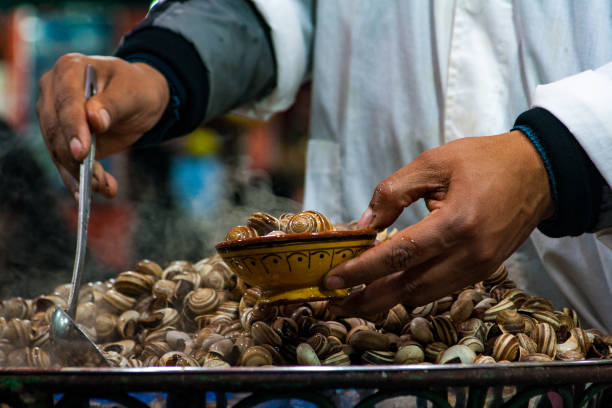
{"x":366,"y":218}
{"x":76,"y":148}
{"x":105,"y":117}
{"x":76,"y":196}
{"x":334,"y":282}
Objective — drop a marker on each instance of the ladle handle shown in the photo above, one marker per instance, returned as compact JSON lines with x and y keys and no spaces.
{"x":85,"y":171}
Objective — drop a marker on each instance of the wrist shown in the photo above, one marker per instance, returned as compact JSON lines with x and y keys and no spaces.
{"x":538,"y":176}
{"x":159,"y":84}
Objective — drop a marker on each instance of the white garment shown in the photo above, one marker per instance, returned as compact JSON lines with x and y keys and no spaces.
{"x":394,"y":78}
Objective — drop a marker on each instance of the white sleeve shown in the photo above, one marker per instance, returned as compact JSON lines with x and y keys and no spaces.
{"x":583,"y":103}
{"x":291,"y":31}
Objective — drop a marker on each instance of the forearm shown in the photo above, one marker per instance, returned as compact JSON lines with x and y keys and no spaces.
{"x":216,"y":55}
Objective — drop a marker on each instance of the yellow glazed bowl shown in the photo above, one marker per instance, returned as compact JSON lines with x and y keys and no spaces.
{"x":289,"y":268}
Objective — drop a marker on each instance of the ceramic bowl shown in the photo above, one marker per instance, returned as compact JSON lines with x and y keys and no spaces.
{"x":289,"y":268}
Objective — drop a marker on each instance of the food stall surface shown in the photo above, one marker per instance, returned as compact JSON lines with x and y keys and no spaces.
{"x":576,"y":384}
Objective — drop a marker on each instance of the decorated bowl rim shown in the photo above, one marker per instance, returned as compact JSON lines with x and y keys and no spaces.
{"x":228,"y":246}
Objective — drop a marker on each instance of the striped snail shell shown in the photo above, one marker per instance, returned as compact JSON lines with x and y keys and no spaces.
{"x":256,"y":356}
{"x":263,"y":223}
{"x":544,"y":336}
{"x":309,"y":221}
{"x":506,"y":347}
{"x":200,"y":301}
{"x":284,"y":221}
{"x":240,"y":232}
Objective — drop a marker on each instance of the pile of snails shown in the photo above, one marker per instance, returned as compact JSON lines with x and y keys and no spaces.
{"x":201,"y":315}
{"x":261,"y":224}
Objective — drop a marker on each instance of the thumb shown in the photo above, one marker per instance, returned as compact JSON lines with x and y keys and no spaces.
{"x":101,"y":111}
{"x":419,"y":179}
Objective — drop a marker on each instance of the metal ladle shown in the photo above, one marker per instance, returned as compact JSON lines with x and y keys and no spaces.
{"x":72,"y":345}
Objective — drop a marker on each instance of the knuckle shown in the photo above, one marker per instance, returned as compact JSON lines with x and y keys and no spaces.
{"x":402,"y":255}
{"x":384,"y":192}
{"x":64,"y":100}
{"x":69,"y":59}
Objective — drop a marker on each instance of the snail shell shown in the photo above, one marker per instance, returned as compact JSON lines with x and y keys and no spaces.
{"x":517,"y":296}
{"x":217,"y":275}
{"x":284,"y":221}
{"x":505,"y":347}
{"x":339,"y":358}
{"x":527,"y":343}
{"x":457,"y":354}
{"x":18,"y":332}
{"x":240,"y":232}
{"x":409,"y":354}
{"x":37,"y":357}
{"x":473,"y":343}
{"x":444,"y":303}
{"x":420,"y":330}
{"x":396,"y":319}
{"x":510,"y":321}
{"x":472,"y":327}
{"x":577,"y":341}
{"x":262,"y":333}
{"x":149,"y":267}
{"x":319,"y":344}
{"x":432,"y":350}
{"x":425,"y":310}
{"x":243,"y":342}
{"x":16,"y":308}
{"x":497,"y":277}
{"x":127,"y":324}
{"x":256,"y":356}
{"x":545,"y":339}
{"x":176,"y":358}
{"x":308,"y":221}
{"x":126,"y":348}
{"x":200,"y":301}
{"x":444,"y":329}
{"x":226,"y":350}
{"x":491,"y":313}
{"x":40,"y":336}
{"x":86,"y":313}
{"x":106,"y":326}
{"x":118,"y":302}
{"x":306,"y":355}
{"x":461,"y":310}
{"x":134,"y":284}
{"x":483,"y":359}
{"x":263,"y":223}
{"x":229,"y":308}
{"x":470,"y":294}
{"x":164,"y":288}
{"x":374,"y":357}
{"x":364,"y":338}
{"x":337,"y":329}
{"x":545,"y":316}
{"x":287,"y":329}
{"x":536,"y":358}
{"x":42,"y":303}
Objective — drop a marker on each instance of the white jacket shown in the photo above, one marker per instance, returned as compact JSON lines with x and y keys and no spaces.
{"x":394,"y":78}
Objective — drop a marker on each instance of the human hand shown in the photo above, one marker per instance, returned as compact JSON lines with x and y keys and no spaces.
{"x":485,"y":196}
{"x":130,"y":100}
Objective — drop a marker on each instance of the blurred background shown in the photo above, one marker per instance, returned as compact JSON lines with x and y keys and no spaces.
{"x":175,"y":201}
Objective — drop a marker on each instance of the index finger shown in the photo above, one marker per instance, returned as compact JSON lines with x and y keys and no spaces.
{"x":69,"y":102}
{"x":410,"y":247}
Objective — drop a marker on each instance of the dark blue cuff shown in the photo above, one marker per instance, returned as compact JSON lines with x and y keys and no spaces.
{"x":575,"y":182}
{"x":178,"y":96}
{"x":537,"y":143}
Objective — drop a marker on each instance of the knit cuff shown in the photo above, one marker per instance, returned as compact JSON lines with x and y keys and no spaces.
{"x":576,"y":184}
